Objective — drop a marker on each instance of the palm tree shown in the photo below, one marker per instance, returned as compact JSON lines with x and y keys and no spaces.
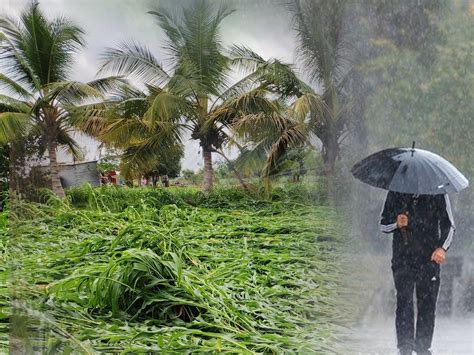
{"x":193,"y":94}
{"x":324,"y":47}
{"x":121,"y":122}
{"x":36,"y":56}
{"x":266,"y":138}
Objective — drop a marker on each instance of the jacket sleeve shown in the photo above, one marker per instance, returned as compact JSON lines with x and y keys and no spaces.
{"x":388,"y":219}
{"x":446,"y":223}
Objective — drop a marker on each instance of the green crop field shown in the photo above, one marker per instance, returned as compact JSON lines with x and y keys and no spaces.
{"x":141,"y":270}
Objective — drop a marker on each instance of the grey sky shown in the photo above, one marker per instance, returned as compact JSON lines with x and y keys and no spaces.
{"x":264,"y":26}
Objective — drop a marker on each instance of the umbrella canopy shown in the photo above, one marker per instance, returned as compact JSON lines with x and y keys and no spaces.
{"x":410,"y":170}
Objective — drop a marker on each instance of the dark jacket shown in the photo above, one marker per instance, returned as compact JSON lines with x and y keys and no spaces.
{"x":430,"y":224}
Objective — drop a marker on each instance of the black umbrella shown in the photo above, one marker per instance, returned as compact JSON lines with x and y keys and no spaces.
{"x":410,"y":170}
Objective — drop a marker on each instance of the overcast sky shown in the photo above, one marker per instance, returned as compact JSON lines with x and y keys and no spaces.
{"x":264,"y":26}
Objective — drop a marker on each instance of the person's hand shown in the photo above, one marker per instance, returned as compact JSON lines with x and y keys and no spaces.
{"x":439,"y":256}
{"x":402,"y":221}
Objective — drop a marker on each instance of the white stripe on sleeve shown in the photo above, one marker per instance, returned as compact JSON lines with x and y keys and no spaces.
{"x":387,"y":228}
{"x":452,"y":229}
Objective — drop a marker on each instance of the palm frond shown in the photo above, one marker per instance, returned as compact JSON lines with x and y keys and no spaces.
{"x":276,"y":76}
{"x":170,"y":23}
{"x":168,"y":107}
{"x":245,"y":84}
{"x":252,"y":102}
{"x":134,"y":60}
{"x":142,"y":145}
{"x":11,"y":86}
{"x":245,"y":59}
{"x":69,"y":144}
{"x":194,"y":40}
{"x":11,"y":104}
{"x":108,"y":85}
{"x":48,"y":47}
{"x":94,"y":118}
{"x":13,"y":126}
{"x":291,"y":137}
{"x":322,"y":34}
{"x":274,"y":136}
{"x":64,"y":41}
{"x":139,"y":160}
{"x":89,"y":119}
{"x":122,"y":132}
{"x":186,"y":82}
{"x":282,"y":79}
{"x":128,"y":91}
{"x":72,"y":93}
{"x":12,"y":55}
{"x":309,"y":105}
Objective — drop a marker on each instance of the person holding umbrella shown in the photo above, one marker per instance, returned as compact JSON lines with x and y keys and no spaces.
{"x":418,"y":212}
{"x":423,"y":230}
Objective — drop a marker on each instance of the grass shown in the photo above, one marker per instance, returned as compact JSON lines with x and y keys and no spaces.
{"x":120,"y":270}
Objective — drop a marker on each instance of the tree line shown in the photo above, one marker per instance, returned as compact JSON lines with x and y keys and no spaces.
{"x":268,"y":113}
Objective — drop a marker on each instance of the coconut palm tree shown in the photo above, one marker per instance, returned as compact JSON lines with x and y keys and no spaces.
{"x":37,"y":56}
{"x":192,"y":94}
{"x":122,"y":122}
{"x":265,"y":139}
{"x":326,"y":54}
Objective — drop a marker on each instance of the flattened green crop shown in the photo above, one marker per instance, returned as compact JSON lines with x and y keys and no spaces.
{"x":169,"y":273}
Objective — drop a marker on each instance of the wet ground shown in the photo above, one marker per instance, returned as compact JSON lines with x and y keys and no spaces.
{"x":374,"y":295}
{"x":452,"y":337}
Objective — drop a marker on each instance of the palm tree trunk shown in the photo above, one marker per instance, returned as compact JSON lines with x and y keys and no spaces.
{"x":203,"y":102}
{"x":331,"y":147}
{"x":232,"y":167}
{"x":330,"y":161}
{"x":208,"y":170}
{"x":331,"y":143}
{"x":54,"y":170}
{"x":13,"y":178}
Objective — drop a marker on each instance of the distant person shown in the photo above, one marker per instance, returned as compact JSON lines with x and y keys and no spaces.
{"x":423,"y":229}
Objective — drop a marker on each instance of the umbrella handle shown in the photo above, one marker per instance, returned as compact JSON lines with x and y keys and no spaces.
{"x":404,"y":232}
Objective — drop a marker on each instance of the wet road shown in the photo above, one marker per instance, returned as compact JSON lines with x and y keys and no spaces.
{"x":452,"y":337}
{"x":374,"y":295}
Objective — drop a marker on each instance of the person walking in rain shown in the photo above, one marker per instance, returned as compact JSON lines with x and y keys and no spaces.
{"x":423,"y":229}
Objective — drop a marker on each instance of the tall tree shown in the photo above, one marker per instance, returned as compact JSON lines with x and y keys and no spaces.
{"x":193,"y":93}
{"x":325,"y":51}
{"x":37,"y":57}
{"x":122,"y":123}
{"x":265,"y":138}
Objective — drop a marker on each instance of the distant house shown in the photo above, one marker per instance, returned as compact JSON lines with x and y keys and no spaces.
{"x":76,"y":174}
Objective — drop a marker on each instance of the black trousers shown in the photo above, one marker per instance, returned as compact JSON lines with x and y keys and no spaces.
{"x":424,"y":279}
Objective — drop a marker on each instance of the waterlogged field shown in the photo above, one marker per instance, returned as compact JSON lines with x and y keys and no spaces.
{"x":119,"y":270}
